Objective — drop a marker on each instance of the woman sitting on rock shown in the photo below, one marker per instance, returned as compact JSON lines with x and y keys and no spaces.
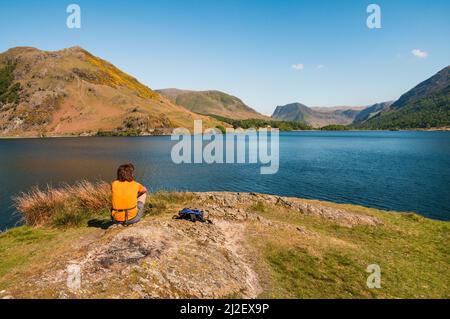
{"x":128,"y":196}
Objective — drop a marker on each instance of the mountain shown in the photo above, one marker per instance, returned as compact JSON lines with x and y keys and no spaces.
{"x":292,"y":112}
{"x":211,"y":102}
{"x":371,"y":111}
{"x":426,"y":105}
{"x":72,"y":92}
{"x":315,"y":116}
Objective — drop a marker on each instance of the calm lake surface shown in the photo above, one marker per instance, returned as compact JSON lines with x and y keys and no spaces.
{"x":403,"y":171}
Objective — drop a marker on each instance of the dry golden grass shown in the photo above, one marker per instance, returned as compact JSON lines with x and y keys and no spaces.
{"x":71,"y":205}
{"x":66,"y":205}
{"x":115,"y":77}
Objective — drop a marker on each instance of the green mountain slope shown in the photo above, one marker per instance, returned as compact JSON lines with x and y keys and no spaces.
{"x":211,"y":102}
{"x":425,"y":106}
{"x":371,"y":111}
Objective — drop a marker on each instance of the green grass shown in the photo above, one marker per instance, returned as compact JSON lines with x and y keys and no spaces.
{"x":162,"y":201}
{"x":221,"y":128}
{"x":306,"y":276}
{"x":19,"y":245}
{"x":412,"y":252}
{"x":258,"y":207}
{"x":26,"y":252}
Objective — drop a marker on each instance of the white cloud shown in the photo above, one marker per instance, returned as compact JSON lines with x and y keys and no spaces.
{"x":298,"y":66}
{"x":320,"y":66}
{"x":419,"y":53}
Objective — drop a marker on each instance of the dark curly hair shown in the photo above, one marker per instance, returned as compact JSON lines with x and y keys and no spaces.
{"x":125,"y":173}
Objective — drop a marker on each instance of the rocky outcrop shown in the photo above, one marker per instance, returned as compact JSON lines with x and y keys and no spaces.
{"x":225,"y":205}
{"x":162,"y":257}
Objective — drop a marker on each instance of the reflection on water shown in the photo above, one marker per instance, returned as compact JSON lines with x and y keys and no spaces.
{"x":406,"y":171}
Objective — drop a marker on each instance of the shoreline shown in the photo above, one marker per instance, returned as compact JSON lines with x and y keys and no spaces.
{"x":310,"y":200}
{"x":437,"y":129}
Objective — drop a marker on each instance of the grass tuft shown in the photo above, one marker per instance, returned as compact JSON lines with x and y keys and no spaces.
{"x":74,"y":205}
{"x":68,"y":205}
{"x":259,"y":207}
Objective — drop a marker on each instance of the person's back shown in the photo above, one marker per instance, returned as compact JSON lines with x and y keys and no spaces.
{"x":128,"y":196}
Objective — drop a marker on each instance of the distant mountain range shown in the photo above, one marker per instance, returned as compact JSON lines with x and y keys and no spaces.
{"x":72,"y":92}
{"x":212,"y":102}
{"x":426,"y":105}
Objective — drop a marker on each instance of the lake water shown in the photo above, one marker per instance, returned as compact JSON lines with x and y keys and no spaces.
{"x":404,"y":171}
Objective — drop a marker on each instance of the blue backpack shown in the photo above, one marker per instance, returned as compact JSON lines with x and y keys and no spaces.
{"x":192,"y":214}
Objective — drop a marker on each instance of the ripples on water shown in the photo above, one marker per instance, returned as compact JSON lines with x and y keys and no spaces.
{"x":404,"y":171}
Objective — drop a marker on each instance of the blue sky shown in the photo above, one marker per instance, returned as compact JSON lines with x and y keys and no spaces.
{"x":247,"y":47}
